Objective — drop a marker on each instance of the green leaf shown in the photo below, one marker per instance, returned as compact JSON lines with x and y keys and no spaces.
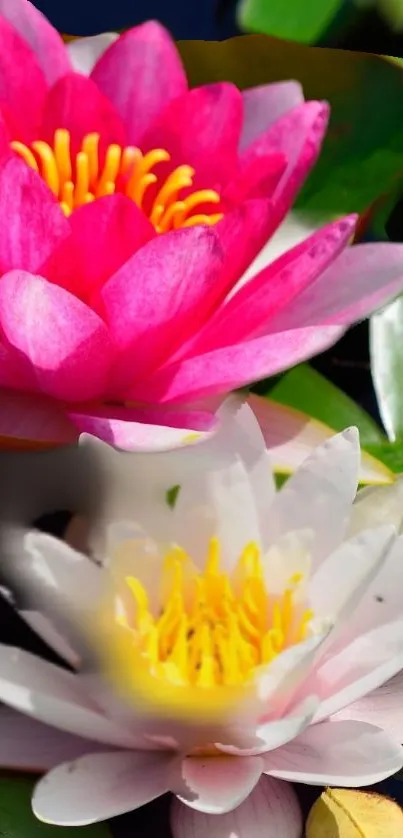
{"x":386,"y":342}
{"x":18,"y":821}
{"x":389,"y":453}
{"x":291,"y":435}
{"x":362,"y":156}
{"x":295,"y":20}
{"x":305,"y":389}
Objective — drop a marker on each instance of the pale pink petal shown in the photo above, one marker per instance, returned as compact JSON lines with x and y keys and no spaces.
{"x":340,"y":581}
{"x":28,"y":745}
{"x":85,"y":52}
{"x":294,"y":230}
{"x":249,"y":311}
{"x":58,"y":581}
{"x":26,"y":418}
{"x":143,"y":430}
{"x":51,"y":636}
{"x":201,"y":129}
{"x":363,"y":666}
{"x":103,"y":236}
{"x":141,"y":74}
{"x":362,"y":279}
{"x":66,"y":343}
{"x":227,"y":369}
{"x":382,"y":707}
{"x":265,"y":104}
{"x":271,"y":811}
{"x":325,"y":486}
{"x":164,"y":293}
{"x":291,"y":436}
{"x":76,"y":103}
{"x":100,"y":786}
{"x":33,"y":221}
{"x":273,"y":734}
{"x":54,"y":696}
{"x":351,"y":754}
{"x":218,"y":784}
{"x":43,"y":39}
{"x":22,"y":83}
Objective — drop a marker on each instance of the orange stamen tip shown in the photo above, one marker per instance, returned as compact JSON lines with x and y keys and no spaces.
{"x":80,"y":179}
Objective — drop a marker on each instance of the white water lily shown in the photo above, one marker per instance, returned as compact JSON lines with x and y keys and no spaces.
{"x":220,"y":646}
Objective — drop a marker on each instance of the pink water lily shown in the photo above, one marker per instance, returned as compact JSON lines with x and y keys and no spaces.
{"x":132,"y":210}
{"x":220,"y":649}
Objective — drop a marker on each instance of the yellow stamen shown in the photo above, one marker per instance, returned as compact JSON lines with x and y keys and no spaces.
{"x":79,"y":180}
{"x":224,"y":629}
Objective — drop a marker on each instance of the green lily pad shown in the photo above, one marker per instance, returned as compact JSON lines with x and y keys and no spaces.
{"x":18,"y":821}
{"x":362,"y":156}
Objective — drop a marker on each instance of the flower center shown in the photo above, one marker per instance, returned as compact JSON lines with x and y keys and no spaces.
{"x":214,"y":628}
{"x":126,"y":171}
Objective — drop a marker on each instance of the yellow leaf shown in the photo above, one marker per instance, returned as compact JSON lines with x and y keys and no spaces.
{"x":347,"y":813}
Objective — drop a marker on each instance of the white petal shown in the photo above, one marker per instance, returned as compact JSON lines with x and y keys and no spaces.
{"x":382,"y":707}
{"x":341,"y":580}
{"x":277,"y":685}
{"x":376,"y":505}
{"x":382,"y":601}
{"x":28,"y":745}
{"x":100,"y":786}
{"x":292,"y":435}
{"x":369,"y":661}
{"x":273,"y":734}
{"x":44,"y":629}
{"x":271,"y":811}
{"x":319,"y":495}
{"x":59,"y":582}
{"x":218,"y":784}
{"x":54,"y":696}
{"x":289,"y":556}
{"x":337,"y":753}
{"x":85,"y":52}
{"x":220,"y":482}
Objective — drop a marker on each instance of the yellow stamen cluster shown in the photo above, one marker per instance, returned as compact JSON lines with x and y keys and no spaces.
{"x":125,"y":170}
{"x":214,"y":628}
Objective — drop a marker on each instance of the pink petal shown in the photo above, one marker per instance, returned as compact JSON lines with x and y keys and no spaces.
{"x":272,"y":734}
{"x":235,"y":366}
{"x":248,"y":312}
{"x":67,"y":344}
{"x":271,"y":811}
{"x":362,"y":279}
{"x":103,"y":236}
{"x":349,"y":754}
{"x":163,"y":294}
{"x":142,"y":428}
{"x":201,"y":129}
{"x":141,"y":74}
{"x":28,"y":745}
{"x":242,"y":233}
{"x":32,"y":223}
{"x":76,"y":103}
{"x":43,"y":39}
{"x":85,"y":52}
{"x":298,"y":134}
{"x":218,"y":784}
{"x":100,"y":786}
{"x":32,"y":418}
{"x":22,"y":84}
{"x":264,"y":105}
{"x":382,"y":707}
{"x":257,"y":179}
